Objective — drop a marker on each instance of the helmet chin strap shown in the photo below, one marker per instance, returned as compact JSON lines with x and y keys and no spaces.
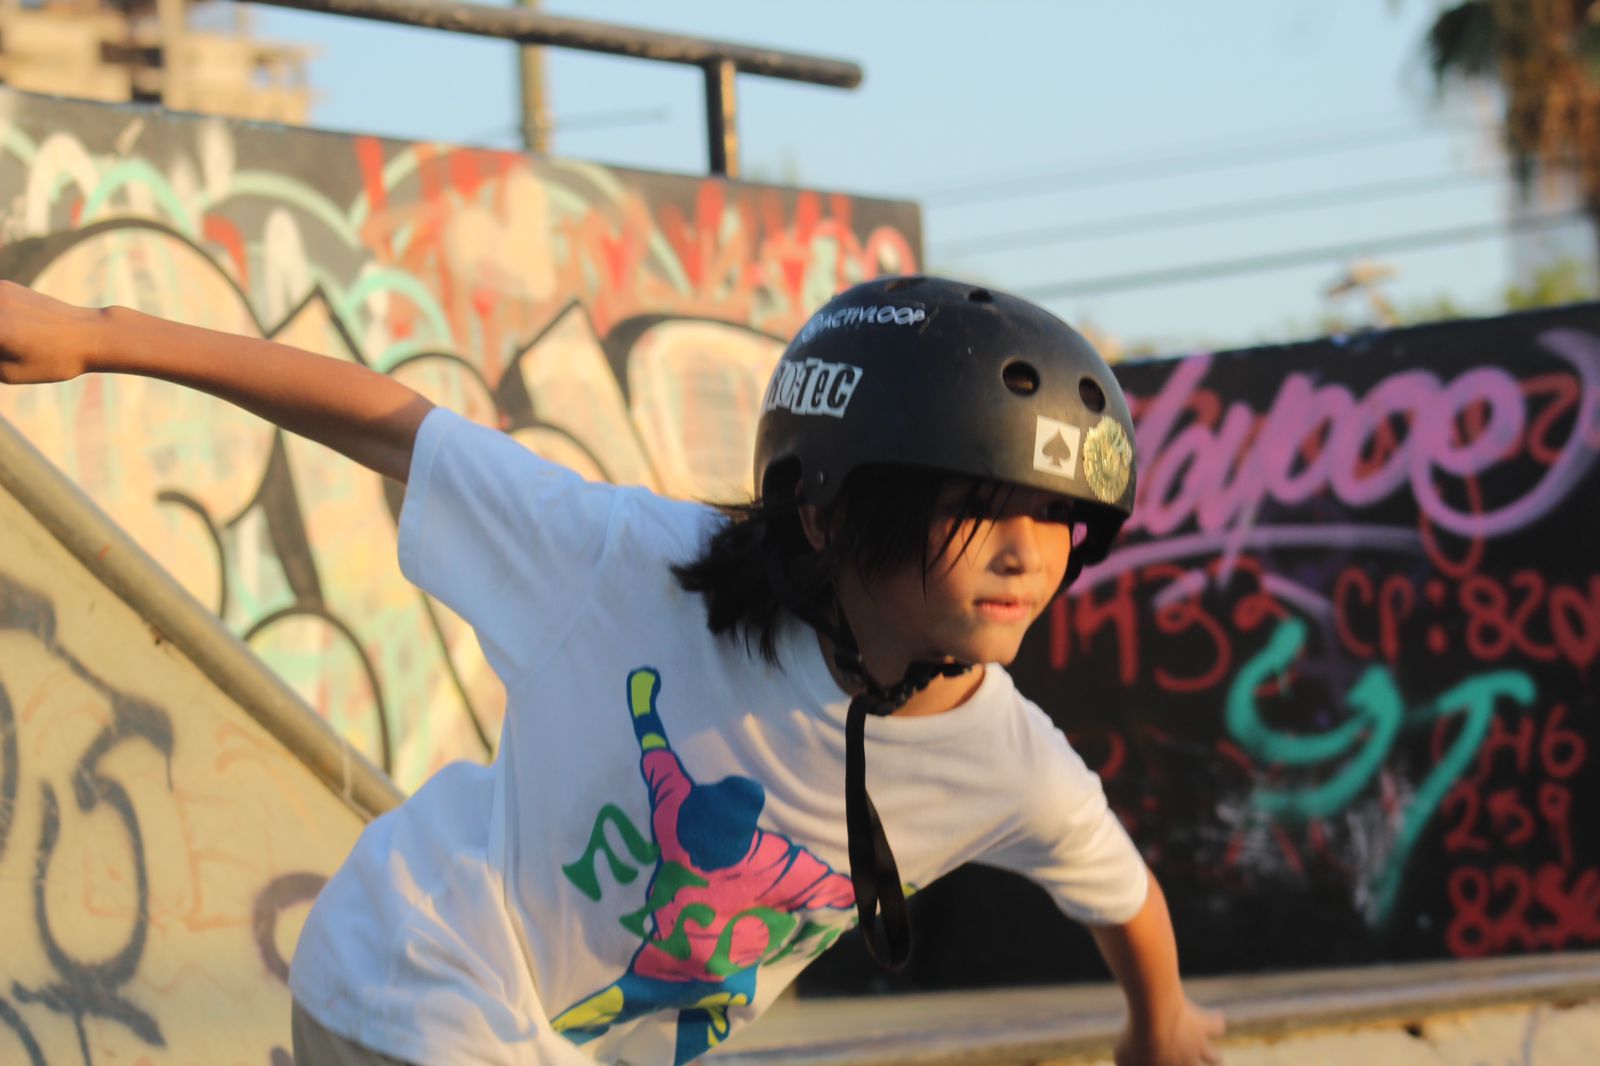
{"x":873,"y":872}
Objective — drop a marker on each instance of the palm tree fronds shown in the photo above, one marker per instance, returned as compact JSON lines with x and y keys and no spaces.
{"x":1589,"y":44}
{"x":1461,"y":43}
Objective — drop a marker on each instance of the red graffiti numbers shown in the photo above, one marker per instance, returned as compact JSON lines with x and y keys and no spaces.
{"x":1083,"y":616}
{"x":1575,"y":621}
{"x":1465,"y":835}
{"x":1518,"y":795}
{"x":1182,"y":616}
{"x":1555,"y":807}
{"x":1503,"y":817}
{"x":1563,"y":751}
{"x":1509,"y":908}
{"x":1524,"y":617}
{"x":1509,"y":815}
{"x":1512,"y":821}
{"x":1200,"y":610}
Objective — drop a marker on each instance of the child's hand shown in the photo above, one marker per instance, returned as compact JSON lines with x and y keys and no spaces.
{"x":41,"y":338}
{"x":1185,"y":1040}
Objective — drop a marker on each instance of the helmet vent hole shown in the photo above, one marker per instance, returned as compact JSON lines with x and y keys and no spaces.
{"x":981,"y":296}
{"x":1021,"y":378}
{"x":896,"y":284}
{"x":1092,"y":395}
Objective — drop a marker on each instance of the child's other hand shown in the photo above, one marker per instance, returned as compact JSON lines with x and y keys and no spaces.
{"x":41,"y":338}
{"x":1187,"y":1039}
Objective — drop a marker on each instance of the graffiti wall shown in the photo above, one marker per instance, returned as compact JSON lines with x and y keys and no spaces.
{"x":159,"y":849}
{"x":1341,"y":676}
{"x":620,"y":322}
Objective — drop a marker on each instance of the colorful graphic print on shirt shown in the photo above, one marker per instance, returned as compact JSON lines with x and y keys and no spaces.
{"x":724,"y":898}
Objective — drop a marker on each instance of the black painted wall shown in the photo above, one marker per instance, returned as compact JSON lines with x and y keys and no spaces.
{"x":1339,"y":677}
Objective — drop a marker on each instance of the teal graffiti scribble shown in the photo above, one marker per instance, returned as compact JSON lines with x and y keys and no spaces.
{"x":1379,"y":713}
{"x":1476,"y":698}
{"x":583,"y":872}
{"x":1379,"y":716}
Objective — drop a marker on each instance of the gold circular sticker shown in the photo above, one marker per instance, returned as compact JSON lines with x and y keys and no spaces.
{"x":1107,"y":460}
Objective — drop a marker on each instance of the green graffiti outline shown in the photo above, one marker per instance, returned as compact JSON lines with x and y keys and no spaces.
{"x":264,"y":184}
{"x":399,"y":283}
{"x":139,"y":172}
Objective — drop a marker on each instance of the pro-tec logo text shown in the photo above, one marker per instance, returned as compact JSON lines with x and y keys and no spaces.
{"x":812,"y":387}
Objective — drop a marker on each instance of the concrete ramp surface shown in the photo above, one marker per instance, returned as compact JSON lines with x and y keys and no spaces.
{"x":167,"y":808}
{"x":1539,"y":1010}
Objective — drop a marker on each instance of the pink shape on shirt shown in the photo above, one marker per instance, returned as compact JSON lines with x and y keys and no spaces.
{"x":774,"y":873}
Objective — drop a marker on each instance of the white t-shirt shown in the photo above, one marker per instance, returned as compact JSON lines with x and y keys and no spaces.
{"x":660,"y":845}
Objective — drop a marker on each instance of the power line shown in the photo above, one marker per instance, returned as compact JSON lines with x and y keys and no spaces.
{"x":1273,"y":261}
{"x":1169,"y":166}
{"x":1207,"y":144}
{"x":1234,"y":209}
{"x":627,"y":116}
{"x":592,"y":120}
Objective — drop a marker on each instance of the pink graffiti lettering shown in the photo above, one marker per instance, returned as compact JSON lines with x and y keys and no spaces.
{"x":1316,"y":439}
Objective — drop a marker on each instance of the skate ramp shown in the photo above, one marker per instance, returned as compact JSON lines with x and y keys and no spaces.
{"x":168,"y":808}
{"x":1531,"y":1011}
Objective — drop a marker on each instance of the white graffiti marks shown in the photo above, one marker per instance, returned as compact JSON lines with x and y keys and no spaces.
{"x":812,"y":387}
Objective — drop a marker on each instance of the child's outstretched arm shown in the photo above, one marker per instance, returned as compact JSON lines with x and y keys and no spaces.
{"x":360,"y":413}
{"x":1164,"y":1027}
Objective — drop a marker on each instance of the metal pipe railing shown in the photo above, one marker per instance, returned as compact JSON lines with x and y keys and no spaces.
{"x":720,"y":60}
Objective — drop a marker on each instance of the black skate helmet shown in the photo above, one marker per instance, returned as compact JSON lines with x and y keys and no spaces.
{"x":941,"y":375}
{"x":927,"y":372}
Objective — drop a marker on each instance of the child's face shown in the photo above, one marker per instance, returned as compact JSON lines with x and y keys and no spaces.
{"x":978,"y":599}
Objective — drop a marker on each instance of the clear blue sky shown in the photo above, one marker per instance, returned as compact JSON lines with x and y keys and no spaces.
{"x":963,"y":92}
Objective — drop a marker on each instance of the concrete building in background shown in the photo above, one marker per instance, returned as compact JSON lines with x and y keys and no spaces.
{"x":185,"y":56}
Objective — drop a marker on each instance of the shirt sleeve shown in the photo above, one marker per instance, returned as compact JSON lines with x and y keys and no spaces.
{"x":1068,"y":840}
{"x":509,"y":541}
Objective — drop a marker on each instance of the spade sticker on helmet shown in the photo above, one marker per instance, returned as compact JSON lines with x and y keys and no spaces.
{"x":1055,"y":447}
{"x":1107,"y":460}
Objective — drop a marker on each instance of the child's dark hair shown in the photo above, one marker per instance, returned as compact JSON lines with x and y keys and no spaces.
{"x":760,"y":563}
